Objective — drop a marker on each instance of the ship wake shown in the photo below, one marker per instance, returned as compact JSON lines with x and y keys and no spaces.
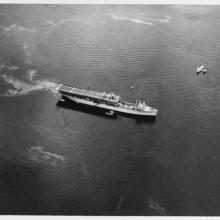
{"x":17,"y":86}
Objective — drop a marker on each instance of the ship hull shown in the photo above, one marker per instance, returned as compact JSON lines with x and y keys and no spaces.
{"x":109,"y":108}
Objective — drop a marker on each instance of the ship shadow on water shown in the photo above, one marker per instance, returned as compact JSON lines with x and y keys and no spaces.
{"x":69,"y":104}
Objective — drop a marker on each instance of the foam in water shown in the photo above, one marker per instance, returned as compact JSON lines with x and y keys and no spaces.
{"x":23,"y":36}
{"x":119,"y":203}
{"x":7,"y":67}
{"x":156,"y":206}
{"x":134,"y":20}
{"x":50,"y":22}
{"x":165,"y":20}
{"x":57,"y":25}
{"x":31,"y":74}
{"x":27,"y":52}
{"x":37,"y":154}
{"x":146,"y":21}
{"x":159,"y":20}
{"x":15,"y":28}
{"x":23,"y":88}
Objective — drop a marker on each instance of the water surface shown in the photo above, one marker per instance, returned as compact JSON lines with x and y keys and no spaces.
{"x":56,"y":160}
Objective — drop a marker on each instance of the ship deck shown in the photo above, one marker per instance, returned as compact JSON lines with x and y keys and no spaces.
{"x":80,"y":92}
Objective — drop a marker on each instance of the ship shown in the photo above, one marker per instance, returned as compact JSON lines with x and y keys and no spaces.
{"x":106,"y":101}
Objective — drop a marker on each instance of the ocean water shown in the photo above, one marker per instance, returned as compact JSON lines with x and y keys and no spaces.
{"x":63,"y":161}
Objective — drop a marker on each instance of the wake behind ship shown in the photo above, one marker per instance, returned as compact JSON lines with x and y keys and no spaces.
{"x":106,"y":101}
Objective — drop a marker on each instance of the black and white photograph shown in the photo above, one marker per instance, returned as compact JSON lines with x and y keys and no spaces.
{"x":109,"y":109}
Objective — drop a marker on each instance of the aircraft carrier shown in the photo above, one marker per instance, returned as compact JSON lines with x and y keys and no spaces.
{"x":107,"y":101}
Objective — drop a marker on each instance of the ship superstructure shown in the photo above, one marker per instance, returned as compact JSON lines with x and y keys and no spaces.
{"x":107,"y":101}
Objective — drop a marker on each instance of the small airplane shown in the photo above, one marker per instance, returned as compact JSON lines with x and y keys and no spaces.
{"x":201,"y":69}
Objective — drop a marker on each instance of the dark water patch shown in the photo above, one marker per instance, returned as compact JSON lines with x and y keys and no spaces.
{"x":21,"y":189}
